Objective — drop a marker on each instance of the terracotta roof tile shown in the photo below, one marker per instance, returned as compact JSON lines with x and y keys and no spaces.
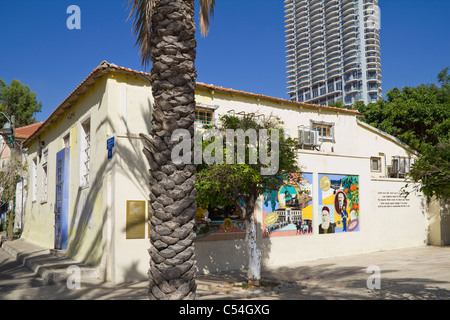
{"x":105,"y":67}
{"x":261,"y":96}
{"x":27,"y":131}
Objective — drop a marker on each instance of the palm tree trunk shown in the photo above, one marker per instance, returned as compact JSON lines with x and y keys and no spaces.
{"x":172,"y":187}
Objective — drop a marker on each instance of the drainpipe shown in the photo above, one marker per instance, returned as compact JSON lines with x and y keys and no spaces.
{"x":381,"y":154}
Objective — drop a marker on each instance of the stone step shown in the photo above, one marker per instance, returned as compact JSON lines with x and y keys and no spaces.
{"x":52,"y":266}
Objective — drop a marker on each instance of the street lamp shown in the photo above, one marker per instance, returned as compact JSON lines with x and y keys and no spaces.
{"x":9,"y":130}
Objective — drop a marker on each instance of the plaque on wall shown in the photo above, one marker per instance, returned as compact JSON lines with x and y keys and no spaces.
{"x":135,"y":228}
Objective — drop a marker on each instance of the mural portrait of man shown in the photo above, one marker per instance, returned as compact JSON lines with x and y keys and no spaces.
{"x":340,"y":202}
{"x":340,"y":205}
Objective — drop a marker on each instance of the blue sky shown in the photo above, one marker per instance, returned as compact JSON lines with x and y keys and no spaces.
{"x":244,"y":50}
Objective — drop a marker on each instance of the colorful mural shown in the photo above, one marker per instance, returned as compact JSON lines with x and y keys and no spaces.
{"x":222,"y":223}
{"x":338,"y":203}
{"x":288,"y":210}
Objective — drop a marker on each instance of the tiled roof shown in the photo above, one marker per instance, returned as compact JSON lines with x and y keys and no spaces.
{"x":106,"y":67}
{"x":27,"y":131}
{"x":89,"y":81}
{"x":255,"y":95}
{"x":261,"y":96}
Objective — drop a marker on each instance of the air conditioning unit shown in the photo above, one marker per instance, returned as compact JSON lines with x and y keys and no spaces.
{"x":395,"y":168}
{"x":400,"y":167}
{"x":308,"y":137}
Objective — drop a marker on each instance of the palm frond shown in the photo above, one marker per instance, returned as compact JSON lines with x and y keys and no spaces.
{"x":206,"y":11}
{"x":142,"y":11}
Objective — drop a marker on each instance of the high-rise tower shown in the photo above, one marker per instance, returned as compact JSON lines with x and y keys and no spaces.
{"x":333,"y":51}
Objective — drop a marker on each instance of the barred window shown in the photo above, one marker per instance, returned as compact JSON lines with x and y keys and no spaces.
{"x":85,"y":155}
{"x":204,"y":116}
{"x":325,"y":131}
{"x":34,"y":171}
{"x":66,"y":141}
{"x":375,"y":164}
{"x":44,"y":176}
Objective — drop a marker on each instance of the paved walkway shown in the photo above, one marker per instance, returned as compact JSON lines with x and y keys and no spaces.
{"x":31,"y":272}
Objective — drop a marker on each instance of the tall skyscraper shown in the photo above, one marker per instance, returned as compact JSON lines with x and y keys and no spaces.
{"x":333,"y":51}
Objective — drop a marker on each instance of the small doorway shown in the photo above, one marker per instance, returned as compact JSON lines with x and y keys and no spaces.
{"x":62,"y":199}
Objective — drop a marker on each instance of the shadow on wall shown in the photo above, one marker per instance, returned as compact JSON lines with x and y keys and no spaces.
{"x":445,"y":221}
{"x":228,"y":255}
{"x":86,"y":241}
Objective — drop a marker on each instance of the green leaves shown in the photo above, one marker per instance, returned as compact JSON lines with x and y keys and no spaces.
{"x":433,"y":170}
{"x":226,"y":184}
{"x":420,"y":117}
{"x":17,"y":99}
{"x":143,"y":12}
{"x":221,"y":185}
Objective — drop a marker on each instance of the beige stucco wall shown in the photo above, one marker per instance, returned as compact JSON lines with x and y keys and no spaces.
{"x":434,"y":221}
{"x":130,"y":182}
{"x":380,"y":228}
{"x":439,"y":222}
{"x":120,"y":106}
{"x":445,"y":222}
{"x":128,"y":174}
{"x":350,"y":153}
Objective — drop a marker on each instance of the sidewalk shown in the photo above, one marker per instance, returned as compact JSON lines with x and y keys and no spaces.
{"x":411,"y":273}
{"x":418,"y":273}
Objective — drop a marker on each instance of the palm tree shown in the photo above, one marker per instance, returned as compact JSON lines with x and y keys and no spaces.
{"x":165,"y":31}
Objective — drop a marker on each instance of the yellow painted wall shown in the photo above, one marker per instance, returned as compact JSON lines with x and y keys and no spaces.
{"x":85,"y":204}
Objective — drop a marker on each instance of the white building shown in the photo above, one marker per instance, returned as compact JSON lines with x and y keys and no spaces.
{"x":333,"y":51}
{"x":101,"y":196}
